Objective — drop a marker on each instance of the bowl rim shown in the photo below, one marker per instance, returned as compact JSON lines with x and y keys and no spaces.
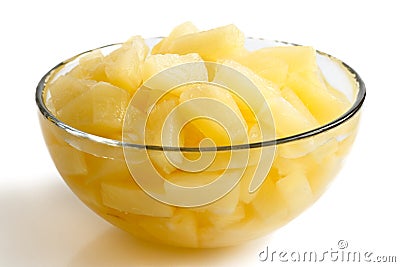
{"x":358,"y":102}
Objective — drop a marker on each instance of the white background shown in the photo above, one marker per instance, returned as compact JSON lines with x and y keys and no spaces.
{"x":43,"y":224}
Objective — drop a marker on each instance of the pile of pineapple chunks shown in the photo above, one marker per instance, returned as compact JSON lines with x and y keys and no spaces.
{"x":94,"y":95}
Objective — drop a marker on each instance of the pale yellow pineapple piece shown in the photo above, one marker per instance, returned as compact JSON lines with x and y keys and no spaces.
{"x":128,"y":197}
{"x":164,"y":72}
{"x":327,"y":149}
{"x":107,"y":170}
{"x":65,"y":89}
{"x":180,"y":30}
{"x":245,"y":195}
{"x":296,"y":192}
{"x":338,"y":94}
{"x":296,"y":102}
{"x":288,"y":120}
{"x":225,"y":205}
{"x":269,"y":67}
{"x":179,"y":230}
{"x":287,"y":166}
{"x":322,"y":174}
{"x":324,"y":105}
{"x":100,"y":110}
{"x":124,"y":66}
{"x":302,"y":75}
{"x":221,"y":220}
{"x":155,"y":64}
{"x":211,"y":45}
{"x":69,"y":161}
{"x":230,"y":113}
{"x":297,"y":58}
{"x":269,"y":204}
{"x":232,"y":234}
{"x":191,"y":180}
{"x":156,"y":123}
{"x":90,"y":67}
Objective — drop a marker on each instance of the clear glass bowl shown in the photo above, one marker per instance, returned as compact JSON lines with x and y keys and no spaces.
{"x":96,"y":170}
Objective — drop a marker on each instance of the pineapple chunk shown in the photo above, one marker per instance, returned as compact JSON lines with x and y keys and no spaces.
{"x":174,"y":75}
{"x":107,"y":170}
{"x":67,"y":88}
{"x":320,"y":176}
{"x":180,"y":30}
{"x":123,"y":67}
{"x":157,"y":123}
{"x":303,"y":76}
{"x":296,"y":102}
{"x":233,"y":129}
{"x":324,"y":105}
{"x":196,"y":186}
{"x":288,"y":120}
{"x":296,"y":58}
{"x":155,"y":64}
{"x":179,"y":230}
{"x":91,"y":67}
{"x":223,"y":206}
{"x":128,"y":197}
{"x":232,"y":234}
{"x":269,"y":204}
{"x":226,"y":205}
{"x":269,"y":67}
{"x":221,"y":220}
{"x":69,"y":161}
{"x":100,"y":110}
{"x":211,"y":45}
{"x":296,"y":192}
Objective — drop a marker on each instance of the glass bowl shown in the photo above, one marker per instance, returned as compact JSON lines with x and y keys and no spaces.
{"x":99,"y":170}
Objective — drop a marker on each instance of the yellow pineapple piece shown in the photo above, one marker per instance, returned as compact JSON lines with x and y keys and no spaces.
{"x":155,"y":64}
{"x":269,"y":204}
{"x":322,"y":174}
{"x":225,"y":205}
{"x":296,"y":102}
{"x":90,"y":67}
{"x":232,"y":234}
{"x":180,"y":30}
{"x":107,"y":170}
{"x":297,"y":58}
{"x":327,"y":149}
{"x":123,"y":67}
{"x":69,"y":161}
{"x":156,"y":123}
{"x":179,"y":230}
{"x":178,"y":73}
{"x":196,"y":180}
{"x":65,"y":89}
{"x":288,"y":120}
{"x":128,"y":197}
{"x":324,"y":105}
{"x":245,"y":195}
{"x":221,"y":220}
{"x":286,"y":166}
{"x":100,"y":110}
{"x":228,"y":114}
{"x":269,"y":67}
{"x":222,"y":42}
{"x":303,"y":76}
{"x":338,"y":94}
{"x":296,"y":192}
